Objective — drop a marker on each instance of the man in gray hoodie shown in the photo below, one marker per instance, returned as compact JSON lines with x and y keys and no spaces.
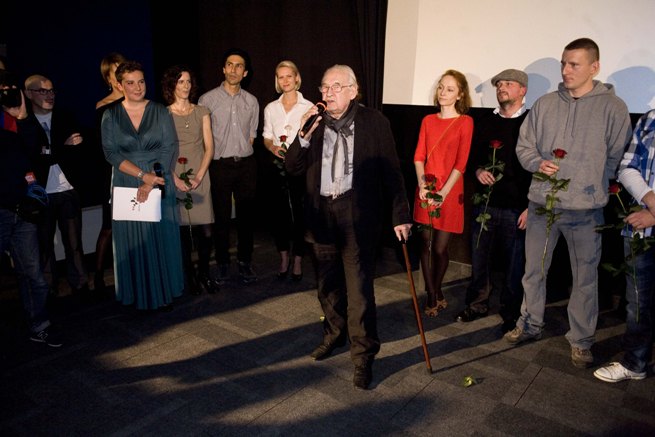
{"x":572,"y":142}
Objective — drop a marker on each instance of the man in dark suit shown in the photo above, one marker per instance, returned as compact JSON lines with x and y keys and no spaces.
{"x":57,"y":169}
{"x":352,"y":176}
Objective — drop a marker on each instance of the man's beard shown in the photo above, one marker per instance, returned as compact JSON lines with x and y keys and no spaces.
{"x":506,"y":103}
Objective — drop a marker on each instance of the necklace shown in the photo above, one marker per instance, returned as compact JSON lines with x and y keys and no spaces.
{"x":183,"y":112}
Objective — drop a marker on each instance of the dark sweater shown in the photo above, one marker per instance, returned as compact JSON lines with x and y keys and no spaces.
{"x":512,"y":189}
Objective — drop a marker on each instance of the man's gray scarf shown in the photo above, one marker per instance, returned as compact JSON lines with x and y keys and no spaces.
{"x":344,"y":128}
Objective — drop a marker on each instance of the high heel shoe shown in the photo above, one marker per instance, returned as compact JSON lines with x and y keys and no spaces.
{"x":297,"y":277}
{"x":435,"y":310}
{"x":283,"y":275}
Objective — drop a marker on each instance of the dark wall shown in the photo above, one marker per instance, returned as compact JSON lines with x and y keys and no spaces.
{"x":314,"y":35}
{"x":65,"y":40}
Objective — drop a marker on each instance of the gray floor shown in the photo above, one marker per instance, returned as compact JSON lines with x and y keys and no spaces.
{"x":237,"y":363}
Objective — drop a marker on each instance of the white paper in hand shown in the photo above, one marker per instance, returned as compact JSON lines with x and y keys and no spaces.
{"x":126,"y":207}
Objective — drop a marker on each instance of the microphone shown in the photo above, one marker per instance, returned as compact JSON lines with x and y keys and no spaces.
{"x":160,"y":173}
{"x":321,"y":106}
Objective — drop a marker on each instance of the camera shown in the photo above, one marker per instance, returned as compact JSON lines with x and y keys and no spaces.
{"x":10,"y":97}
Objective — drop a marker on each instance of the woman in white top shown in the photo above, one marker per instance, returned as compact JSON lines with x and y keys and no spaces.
{"x":281,"y":124}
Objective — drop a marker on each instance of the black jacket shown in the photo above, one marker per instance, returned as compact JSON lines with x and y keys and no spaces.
{"x":17,"y":151}
{"x":378,"y":184}
{"x":62,"y":126}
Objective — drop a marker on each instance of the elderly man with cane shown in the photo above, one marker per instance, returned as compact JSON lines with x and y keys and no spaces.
{"x":352,"y":173}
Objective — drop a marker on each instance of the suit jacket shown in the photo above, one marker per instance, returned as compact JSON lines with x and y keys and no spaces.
{"x":377,"y":188}
{"x":62,"y":126}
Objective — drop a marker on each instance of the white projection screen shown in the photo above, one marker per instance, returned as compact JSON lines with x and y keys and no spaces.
{"x":481,"y":38}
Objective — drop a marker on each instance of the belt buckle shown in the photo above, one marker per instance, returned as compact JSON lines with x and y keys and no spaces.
{"x":237,"y":158}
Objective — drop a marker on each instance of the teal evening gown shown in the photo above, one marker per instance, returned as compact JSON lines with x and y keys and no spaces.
{"x":147,"y":255}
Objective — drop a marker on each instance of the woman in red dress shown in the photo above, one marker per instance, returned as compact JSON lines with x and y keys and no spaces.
{"x":440,"y":159}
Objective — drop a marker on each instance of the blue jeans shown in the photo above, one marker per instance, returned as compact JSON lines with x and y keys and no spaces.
{"x":20,"y":239}
{"x":503,"y":241}
{"x":638,"y":337}
{"x":579,"y":229}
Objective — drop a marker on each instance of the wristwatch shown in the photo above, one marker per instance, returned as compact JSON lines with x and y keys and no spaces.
{"x":140,"y":175}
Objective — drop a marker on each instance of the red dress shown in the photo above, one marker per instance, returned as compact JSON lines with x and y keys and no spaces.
{"x":444,"y":144}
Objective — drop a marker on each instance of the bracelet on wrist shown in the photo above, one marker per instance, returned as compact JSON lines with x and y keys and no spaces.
{"x":140,"y":175}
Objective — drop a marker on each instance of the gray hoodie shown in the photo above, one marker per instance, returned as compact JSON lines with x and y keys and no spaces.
{"x":593,"y":129}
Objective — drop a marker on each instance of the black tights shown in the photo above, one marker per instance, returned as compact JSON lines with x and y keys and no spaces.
{"x":434,"y":263}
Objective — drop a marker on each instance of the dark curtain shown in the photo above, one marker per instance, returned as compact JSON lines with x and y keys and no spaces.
{"x":314,"y":34}
{"x":372,"y":20}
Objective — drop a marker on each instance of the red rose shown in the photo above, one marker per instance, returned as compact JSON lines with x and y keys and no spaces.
{"x":430,"y":179}
{"x":283,"y":138}
{"x":559,"y":153}
{"x":182,"y":160}
{"x":614,"y":189}
{"x":495,"y":144}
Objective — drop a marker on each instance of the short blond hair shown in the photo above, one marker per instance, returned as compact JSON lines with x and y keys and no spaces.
{"x":35,"y":80}
{"x":294,"y":68}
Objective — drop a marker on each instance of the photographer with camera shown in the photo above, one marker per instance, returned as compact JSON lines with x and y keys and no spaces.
{"x":18,"y":235}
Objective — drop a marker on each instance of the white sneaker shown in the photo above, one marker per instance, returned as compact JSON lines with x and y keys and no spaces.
{"x":615,"y":372}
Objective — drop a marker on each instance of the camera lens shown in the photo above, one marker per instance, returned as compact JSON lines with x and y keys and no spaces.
{"x":10,"y":97}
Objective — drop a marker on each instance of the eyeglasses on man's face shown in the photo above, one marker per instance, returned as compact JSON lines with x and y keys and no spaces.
{"x":43,"y":91}
{"x":335,"y":87}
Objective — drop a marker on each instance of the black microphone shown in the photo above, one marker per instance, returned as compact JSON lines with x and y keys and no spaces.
{"x":321,"y":106}
{"x":160,"y":173}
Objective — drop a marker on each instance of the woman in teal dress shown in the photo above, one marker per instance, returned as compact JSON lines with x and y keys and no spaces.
{"x":136,"y":134}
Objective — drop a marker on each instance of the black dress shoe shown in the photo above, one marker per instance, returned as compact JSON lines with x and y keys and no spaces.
{"x":165,"y":308}
{"x":211,"y":285}
{"x":468,"y":315}
{"x":325,"y":350}
{"x":246,"y":273}
{"x":363,"y":375}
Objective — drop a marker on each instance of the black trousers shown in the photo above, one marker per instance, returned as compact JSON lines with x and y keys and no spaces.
{"x":346,"y":270}
{"x":65,"y":212}
{"x":236,"y":177}
{"x":288,"y":219}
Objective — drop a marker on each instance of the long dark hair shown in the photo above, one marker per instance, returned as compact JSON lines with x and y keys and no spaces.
{"x":169,"y":82}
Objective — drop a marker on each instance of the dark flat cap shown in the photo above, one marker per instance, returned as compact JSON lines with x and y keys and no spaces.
{"x":511,"y":74}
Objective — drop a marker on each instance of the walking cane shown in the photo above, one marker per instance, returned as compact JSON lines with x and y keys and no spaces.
{"x":416,"y":309}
